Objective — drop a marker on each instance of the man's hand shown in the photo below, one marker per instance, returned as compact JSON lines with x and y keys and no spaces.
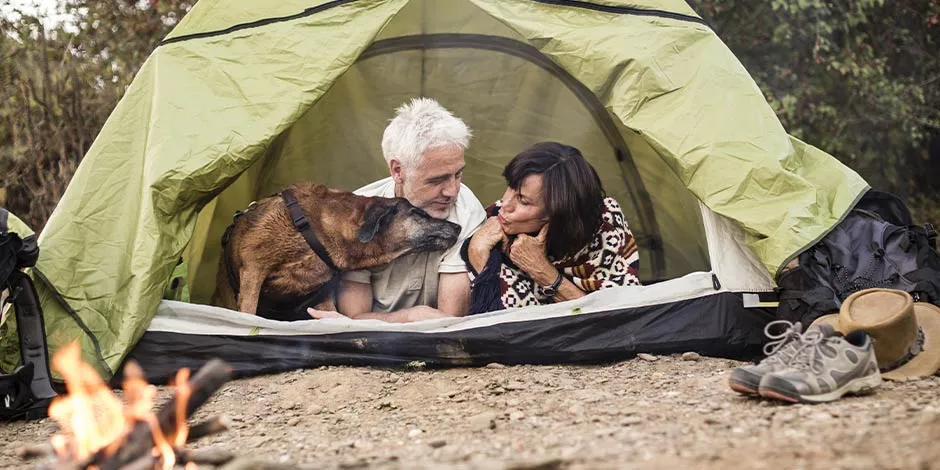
{"x":416,"y":313}
{"x":488,"y":235}
{"x":483,"y":240}
{"x":323,"y":314}
{"x":530,"y":254}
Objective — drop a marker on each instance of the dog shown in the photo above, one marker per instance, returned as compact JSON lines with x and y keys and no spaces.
{"x":267,"y":262}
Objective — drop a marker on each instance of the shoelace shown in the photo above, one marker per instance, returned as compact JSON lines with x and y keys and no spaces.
{"x":779,"y":341}
{"x":809,"y":349}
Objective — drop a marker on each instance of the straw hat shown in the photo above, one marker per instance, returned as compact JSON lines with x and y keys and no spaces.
{"x":905,"y":334}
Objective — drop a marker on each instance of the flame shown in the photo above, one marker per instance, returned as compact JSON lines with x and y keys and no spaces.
{"x":91,"y":415}
{"x":93,"y":418}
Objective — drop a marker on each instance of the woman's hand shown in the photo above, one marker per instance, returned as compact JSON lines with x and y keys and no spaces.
{"x":530,"y":255}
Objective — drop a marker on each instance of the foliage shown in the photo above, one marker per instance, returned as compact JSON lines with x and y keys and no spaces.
{"x":58,"y":86}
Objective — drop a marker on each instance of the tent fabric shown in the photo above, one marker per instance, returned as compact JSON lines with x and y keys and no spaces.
{"x":243,"y":98}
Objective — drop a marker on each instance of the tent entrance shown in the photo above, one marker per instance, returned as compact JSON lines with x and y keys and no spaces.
{"x":510,"y":95}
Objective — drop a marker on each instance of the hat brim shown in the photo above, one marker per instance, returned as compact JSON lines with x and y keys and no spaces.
{"x":925,"y":363}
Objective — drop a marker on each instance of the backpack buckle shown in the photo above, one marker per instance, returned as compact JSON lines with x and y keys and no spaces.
{"x":931,"y":233}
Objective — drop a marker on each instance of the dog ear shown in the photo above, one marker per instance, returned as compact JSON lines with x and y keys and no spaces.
{"x":377,"y":218}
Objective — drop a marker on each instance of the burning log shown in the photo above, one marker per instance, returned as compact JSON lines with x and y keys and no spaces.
{"x":102,"y":433}
{"x":141,"y":439}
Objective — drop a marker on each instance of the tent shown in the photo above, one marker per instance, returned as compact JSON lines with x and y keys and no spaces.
{"x":243,"y":98}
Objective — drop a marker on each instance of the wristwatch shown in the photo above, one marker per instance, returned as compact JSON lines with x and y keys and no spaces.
{"x":551,"y":290}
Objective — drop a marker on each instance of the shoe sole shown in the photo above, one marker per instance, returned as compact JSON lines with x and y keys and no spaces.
{"x":743,"y":389}
{"x":861,"y":385}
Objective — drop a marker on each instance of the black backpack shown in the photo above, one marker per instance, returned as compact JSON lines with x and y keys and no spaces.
{"x":25,"y":392}
{"x":876,"y":245}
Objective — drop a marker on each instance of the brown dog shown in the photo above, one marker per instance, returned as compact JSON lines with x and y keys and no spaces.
{"x":268,"y":260}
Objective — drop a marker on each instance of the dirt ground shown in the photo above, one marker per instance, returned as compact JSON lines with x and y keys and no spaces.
{"x":665,"y":413}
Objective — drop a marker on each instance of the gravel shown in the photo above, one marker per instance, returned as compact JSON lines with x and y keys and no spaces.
{"x":669,"y":412}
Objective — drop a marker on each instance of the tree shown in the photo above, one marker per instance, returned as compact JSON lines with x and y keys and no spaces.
{"x":58,"y":86}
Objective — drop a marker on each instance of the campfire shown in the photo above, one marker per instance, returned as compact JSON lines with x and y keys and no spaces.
{"x":98,"y":431}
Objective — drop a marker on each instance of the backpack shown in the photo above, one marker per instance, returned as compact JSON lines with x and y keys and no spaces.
{"x":876,"y":245}
{"x":25,"y":392}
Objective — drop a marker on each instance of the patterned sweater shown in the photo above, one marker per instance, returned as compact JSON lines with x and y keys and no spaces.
{"x":609,"y":260}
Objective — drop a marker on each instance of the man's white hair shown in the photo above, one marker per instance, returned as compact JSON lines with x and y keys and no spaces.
{"x":419,"y":126}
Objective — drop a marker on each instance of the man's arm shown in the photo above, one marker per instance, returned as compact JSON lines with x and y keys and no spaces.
{"x":354,"y":300}
{"x":453,"y":294}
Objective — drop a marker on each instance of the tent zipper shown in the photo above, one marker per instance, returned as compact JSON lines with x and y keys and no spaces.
{"x":255,"y":24}
{"x":621,"y":10}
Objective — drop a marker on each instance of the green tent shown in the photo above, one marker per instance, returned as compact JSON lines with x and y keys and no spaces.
{"x":244,"y":97}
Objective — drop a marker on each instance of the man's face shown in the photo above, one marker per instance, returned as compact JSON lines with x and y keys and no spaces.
{"x":433,"y":185}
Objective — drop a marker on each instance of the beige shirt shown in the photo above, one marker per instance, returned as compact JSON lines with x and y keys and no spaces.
{"x":412,"y":279}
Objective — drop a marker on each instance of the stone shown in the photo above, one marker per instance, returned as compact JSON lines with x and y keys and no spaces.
{"x":436,"y":443}
{"x":483,"y":421}
{"x":293,"y":421}
{"x":691,"y":356}
{"x":495,"y":365}
{"x":414,"y":433}
{"x":647,"y":357}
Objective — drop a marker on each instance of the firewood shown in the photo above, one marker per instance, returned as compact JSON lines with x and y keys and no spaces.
{"x":210,"y":456}
{"x":252,"y":464}
{"x":139,"y":441}
{"x":207,"y":428}
{"x":144,"y":462}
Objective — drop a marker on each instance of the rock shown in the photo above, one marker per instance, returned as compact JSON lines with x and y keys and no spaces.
{"x":293,"y":421}
{"x":495,"y":365}
{"x":647,"y":357}
{"x":711,"y":421}
{"x":691,"y":356}
{"x":515,"y":385}
{"x":483,"y":421}
{"x":436,"y":443}
{"x":516,"y":415}
{"x":414,"y":433}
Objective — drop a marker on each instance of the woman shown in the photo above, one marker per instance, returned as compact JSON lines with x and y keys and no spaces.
{"x":553,"y":236}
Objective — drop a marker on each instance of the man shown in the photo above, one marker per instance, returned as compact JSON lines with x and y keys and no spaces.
{"x":424,"y":148}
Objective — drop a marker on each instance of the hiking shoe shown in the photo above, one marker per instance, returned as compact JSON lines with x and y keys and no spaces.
{"x":824,"y":369}
{"x":779,"y":352}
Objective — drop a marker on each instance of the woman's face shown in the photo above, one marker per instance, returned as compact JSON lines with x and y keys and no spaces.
{"x":523,"y":211}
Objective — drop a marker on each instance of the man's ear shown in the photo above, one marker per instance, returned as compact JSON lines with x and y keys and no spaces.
{"x":377,"y":218}
{"x":396,"y":170}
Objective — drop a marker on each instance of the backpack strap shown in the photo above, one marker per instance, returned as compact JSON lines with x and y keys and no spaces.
{"x":4,"y":218}
{"x":34,"y":352}
{"x":931,"y":234}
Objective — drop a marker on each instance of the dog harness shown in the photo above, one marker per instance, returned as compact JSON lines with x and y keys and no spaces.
{"x":283,"y":311}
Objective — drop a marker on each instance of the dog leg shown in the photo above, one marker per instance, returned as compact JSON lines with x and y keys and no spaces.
{"x":249,"y":291}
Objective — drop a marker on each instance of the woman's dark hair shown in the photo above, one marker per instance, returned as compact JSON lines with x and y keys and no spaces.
{"x":572,"y":191}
